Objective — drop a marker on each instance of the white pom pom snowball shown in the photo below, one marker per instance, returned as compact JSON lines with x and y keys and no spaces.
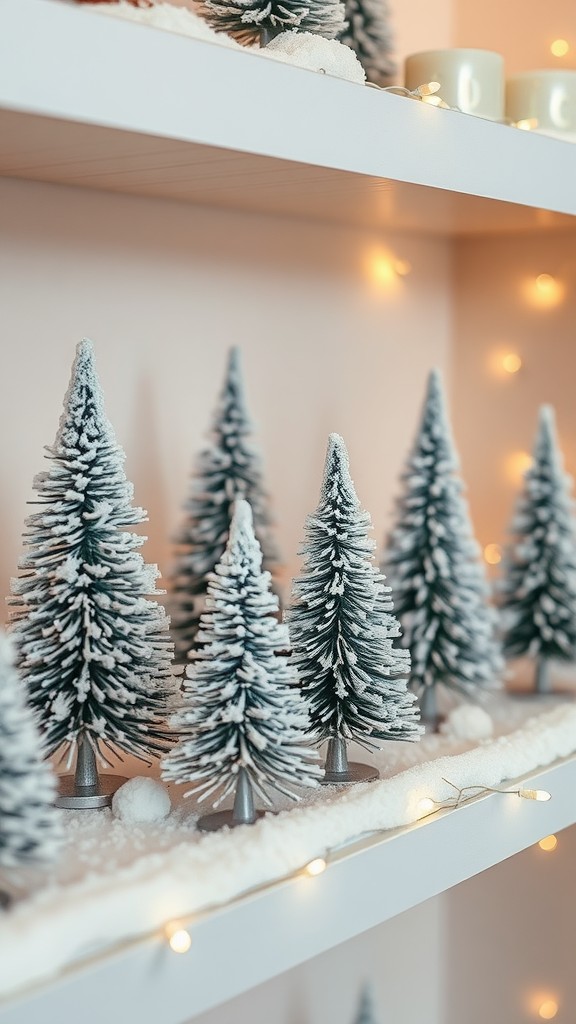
{"x":306,"y":50}
{"x":140,"y":801}
{"x":468,"y":722}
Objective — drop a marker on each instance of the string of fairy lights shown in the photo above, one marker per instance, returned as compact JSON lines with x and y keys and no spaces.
{"x":179,"y":933}
{"x":179,"y":938}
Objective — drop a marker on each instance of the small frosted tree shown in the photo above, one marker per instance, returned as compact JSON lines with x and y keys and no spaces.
{"x":227,"y":470}
{"x":243,"y":722}
{"x":439,"y":583}
{"x":539,"y":567}
{"x":368,"y":33}
{"x":93,"y":650}
{"x":343,"y":631}
{"x":29,"y":823}
{"x":366,"y":1013}
{"x":252,"y":21}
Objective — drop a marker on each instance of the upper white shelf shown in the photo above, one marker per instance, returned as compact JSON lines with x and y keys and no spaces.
{"x":90,"y":100}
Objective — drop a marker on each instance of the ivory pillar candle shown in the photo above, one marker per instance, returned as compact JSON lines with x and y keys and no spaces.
{"x":472,"y":80}
{"x":546,"y":98}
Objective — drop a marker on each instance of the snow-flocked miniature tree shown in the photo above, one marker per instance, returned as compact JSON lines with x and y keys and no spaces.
{"x":243,"y":723}
{"x":366,"y":1013}
{"x":227,"y":470}
{"x":343,"y":631}
{"x":29,"y":822}
{"x":368,"y":33}
{"x":539,"y":567}
{"x":94,"y":652}
{"x":251,"y":21}
{"x":440,"y":587}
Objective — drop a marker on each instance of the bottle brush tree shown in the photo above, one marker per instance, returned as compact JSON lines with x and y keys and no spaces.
{"x":29,"y":822}
{"x":369,"y":34}
{"x":93,"y":650}
{"x":228,"y":469}
{"x":253,"y":21}
{"x":243,"y":724}
{"x":538,"y":588}
{"x":343,"y":631}
{"x":433,"y":563}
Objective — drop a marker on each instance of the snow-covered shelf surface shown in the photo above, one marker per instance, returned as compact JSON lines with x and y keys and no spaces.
{"x":91,"y":100}
{"x":89,"y":939}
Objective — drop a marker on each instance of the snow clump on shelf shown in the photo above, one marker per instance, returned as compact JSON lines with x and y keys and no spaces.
{"x":326,"y":56}
{"x":140,"y":801}
{"x":468,"y":722}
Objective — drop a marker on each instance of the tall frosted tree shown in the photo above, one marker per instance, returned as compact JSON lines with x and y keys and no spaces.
{"x":94,"y":652}
{"x":29,"y":823}
{"x":368,"y":33}
{"x":343,"y":631}
{"x":243,"y":724}
{"x":226,"y":470}
{"x":538,"y":587}
{"x":253,"y":21}
{"x":433,"y":563}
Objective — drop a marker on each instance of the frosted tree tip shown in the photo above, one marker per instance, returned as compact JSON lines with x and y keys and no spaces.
{"x":365,"y":1013}
{"x":435,"y":382}
{"x":242,"y":521}
{"x":84,"y":361}
{"x":85,"y":348}
{"x":234,"y":361}
{"x":336,"y":444}
{"x":336,"y":459}
{"x":547,"y":416}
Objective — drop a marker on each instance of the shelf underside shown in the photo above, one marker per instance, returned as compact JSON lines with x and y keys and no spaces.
{"x":66,"y":152}
{"x":99,"y":102}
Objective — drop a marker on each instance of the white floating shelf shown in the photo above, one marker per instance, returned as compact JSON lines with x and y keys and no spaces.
{"x":258,"y":936}
{"x":86,"y":99}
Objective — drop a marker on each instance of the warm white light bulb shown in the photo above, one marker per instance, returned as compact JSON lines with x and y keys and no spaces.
{"x":560,"y":47}
{"x":548,"y":1009}
{"x":179,"y":940}
{"x":511,"y":362}
{"x":316,"y":866}
{"x":548,"y":844}
{"x":527,"y":124}
{"x":545,"y":282}
{"x":426,"y":805}
{"x":428,"y":89}
{"x":544,"y":291}
{"x":493,"y":554}
{"x":534,"y":794}
{"x":517,"y":464}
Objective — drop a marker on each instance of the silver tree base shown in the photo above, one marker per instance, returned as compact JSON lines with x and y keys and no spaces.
{"x":357,"y":772}
{"x":223,"y":819}
{"x":74,"y":797}
{"x":339,"y":771}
